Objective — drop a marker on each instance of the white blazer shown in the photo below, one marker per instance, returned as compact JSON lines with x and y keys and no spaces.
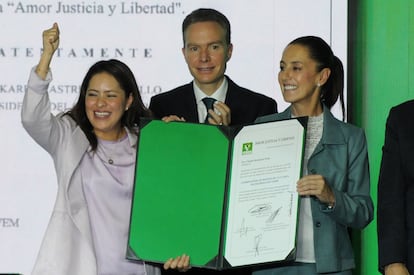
{"x":67,"y":246}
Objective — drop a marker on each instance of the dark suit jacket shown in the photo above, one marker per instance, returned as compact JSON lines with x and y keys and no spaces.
{"x":395,"y":214}
{"x":244,"y":104}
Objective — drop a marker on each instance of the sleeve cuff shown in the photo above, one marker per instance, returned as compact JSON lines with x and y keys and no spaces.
{"x":37,"y":84}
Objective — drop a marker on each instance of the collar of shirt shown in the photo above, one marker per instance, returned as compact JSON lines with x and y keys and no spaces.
{"x":132,"y":139}
{"x":219,"y":94}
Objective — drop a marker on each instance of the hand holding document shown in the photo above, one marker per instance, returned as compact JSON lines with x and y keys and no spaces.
{"x":263,"y":203}
{"x":233,"y":187}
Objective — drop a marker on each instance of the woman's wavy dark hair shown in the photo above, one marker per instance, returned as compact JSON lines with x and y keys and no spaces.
{"x":125,"y":77}
{"x":322,"y":53}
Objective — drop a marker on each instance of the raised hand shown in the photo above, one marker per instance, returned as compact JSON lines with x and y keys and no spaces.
{"x":51,"y":39}
{"x":50,"y":45}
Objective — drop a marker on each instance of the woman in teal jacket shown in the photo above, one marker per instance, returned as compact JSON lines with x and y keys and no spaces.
{"x":335,"y":188}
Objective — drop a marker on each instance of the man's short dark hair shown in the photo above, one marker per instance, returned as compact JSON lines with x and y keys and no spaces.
{"x":207,"y":15}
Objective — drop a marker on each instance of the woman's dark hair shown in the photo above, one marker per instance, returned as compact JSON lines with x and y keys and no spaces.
{"x":207,"y":15}
{"x":123,"y":74}
{"x":322,"y":53}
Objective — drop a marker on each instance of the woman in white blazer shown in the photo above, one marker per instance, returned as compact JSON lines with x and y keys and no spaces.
{"x":93,"y":147}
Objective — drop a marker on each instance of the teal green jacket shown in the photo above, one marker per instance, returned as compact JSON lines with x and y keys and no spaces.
{"x":341,"y":157}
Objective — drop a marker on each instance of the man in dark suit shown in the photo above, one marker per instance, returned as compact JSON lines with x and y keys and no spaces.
{"x":207,"y":48}
{"x":395,"y":214}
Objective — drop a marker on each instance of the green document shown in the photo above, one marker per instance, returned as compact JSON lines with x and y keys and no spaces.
{"x":182,"y":193}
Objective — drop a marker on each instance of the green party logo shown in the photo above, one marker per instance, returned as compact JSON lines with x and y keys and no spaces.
{"x":247,"y":148}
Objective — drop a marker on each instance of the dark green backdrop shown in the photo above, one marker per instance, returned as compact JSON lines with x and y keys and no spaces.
{"x":381,"y":75}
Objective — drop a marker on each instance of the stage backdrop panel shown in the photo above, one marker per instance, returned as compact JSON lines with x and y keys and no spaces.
{"x":147,"y":36}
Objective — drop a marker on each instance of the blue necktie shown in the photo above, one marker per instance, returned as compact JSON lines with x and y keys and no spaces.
{"x":209,"y":102}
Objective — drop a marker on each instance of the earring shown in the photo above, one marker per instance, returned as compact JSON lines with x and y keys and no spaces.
{"x":318,"y":84}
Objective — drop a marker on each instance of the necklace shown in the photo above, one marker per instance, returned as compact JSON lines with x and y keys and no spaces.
{"x":110,"y":161}
{"x":106,"y":151}
{"x":109,"y":151}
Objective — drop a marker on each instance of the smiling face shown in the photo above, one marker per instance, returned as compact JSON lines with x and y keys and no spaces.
{"x":206,"y":53}
{"x":105,"y":103}
{"x":300,"y":79}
